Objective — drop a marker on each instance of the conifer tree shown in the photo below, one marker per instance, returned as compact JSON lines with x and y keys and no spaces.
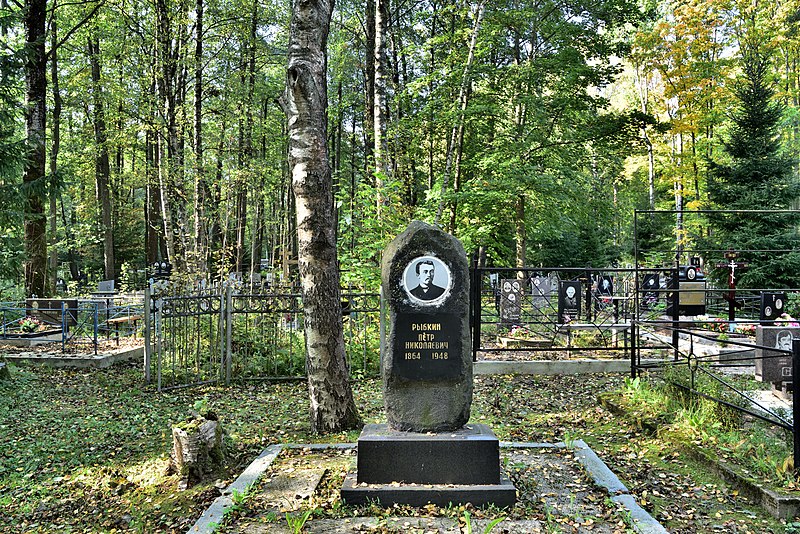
{"x":758,"y":177}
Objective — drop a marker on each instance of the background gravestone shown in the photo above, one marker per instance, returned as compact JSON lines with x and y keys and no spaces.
{"x":425,"y":360}
{"x":771,"y":365}
{"x":540,"y":290}
{"x":510,"y":301}
{"x":772,"y":306}
{"x":569,"y":301}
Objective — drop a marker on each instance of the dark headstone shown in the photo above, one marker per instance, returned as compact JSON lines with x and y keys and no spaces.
{"x":771,"y":365}
{"x":386,"y":455}
{"x":651,"y":283}
{"x":773,"y":305}
{"x":510,"y":301}
{"x":426,"y":454}
{"x":569,"y":301}
{"x":426,"y":362}
{"x":442,"y":468}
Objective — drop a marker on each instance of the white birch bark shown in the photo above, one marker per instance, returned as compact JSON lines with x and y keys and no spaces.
{"x":305,"y":103}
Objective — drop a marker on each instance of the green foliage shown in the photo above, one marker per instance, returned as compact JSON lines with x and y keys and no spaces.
{"x":758,"y":177}
{"x":298,"y":521}
{"x":688,"y":418}
{"x":489,"y":527}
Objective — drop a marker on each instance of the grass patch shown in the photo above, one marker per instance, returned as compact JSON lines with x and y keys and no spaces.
{"x":86,"y":450}
{"x":758,"y":449}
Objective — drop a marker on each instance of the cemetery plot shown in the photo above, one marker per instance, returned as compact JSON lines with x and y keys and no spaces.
{"x":554,"y":491}
{"x":551,"y":313}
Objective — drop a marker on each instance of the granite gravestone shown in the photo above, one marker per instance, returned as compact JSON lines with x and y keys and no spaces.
{"x":569,"y":301}
{"x":771,"y":365}
{"x":426,"y":453}
{"x":772,"y":306}
{"x":510,"y":301}
{"x":425,"y":362}
{"x":540,"y":291}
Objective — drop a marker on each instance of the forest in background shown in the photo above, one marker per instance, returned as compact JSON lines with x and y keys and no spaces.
{"x":133,"y":131}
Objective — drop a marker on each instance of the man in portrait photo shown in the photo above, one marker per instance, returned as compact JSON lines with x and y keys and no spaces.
{"x":426,"y":290}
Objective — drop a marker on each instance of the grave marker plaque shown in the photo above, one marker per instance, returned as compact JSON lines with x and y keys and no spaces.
{"x":771,"y":365}
{"x":651,"y":283}
{"x":105,"y":286}
{"x":772,"y":306}
{"x":540,"y":290}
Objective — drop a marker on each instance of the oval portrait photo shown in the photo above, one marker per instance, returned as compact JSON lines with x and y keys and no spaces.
{"x":426,"y":280}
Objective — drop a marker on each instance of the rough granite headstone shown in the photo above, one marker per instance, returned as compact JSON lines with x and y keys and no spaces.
{"x":425,"y":361}
{"x":427,"y":453}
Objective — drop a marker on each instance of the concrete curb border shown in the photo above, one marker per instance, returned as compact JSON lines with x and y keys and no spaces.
{"x":211,"y":518}
{"x":603,"y":477}
{"x":642,"y":521}
{"x":553,"y":367}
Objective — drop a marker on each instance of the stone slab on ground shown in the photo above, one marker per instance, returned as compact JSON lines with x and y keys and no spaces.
{"x":290,"y":490}
{"x":77,"y":360}
{"x":31,"y":341}
{"x":408,"y":525}
{"x":501,"y":495}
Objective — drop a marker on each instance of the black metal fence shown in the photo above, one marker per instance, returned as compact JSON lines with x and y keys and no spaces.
{"x":225,"y":336}
{"x":724,"y":344}
{"x":551,"y":312}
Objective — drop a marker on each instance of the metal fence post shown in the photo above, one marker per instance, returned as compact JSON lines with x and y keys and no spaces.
{"x":63,"y":326}
{"x":796,"y":402}
{"x":476,"y":311}
{"x":96,"y":326}
{"x":228,"y":333}
{"x":676,"y":312}
{"x":634,"y":331}
{"x":147,"y":325}
{"x":159,"y":351}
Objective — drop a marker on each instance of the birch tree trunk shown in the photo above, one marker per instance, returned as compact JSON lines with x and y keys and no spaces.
{"x":332,"y":404}
{"x":463,"y":96}
{"x":379,"y":104}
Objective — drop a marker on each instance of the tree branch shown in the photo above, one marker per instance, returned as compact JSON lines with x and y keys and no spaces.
{"x":75,"y":28}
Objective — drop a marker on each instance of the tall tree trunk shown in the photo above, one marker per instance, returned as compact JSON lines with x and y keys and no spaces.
{"x":519,"y":230}
{"x":35,"y":124}
{"x":102,"y":167}
{"x":641,"y":80}
{"x":463,"y":94}
{"x":369,"y":85}
{"x":678,"y":190}
{"x":431,"y":115}
{"x":171,"y":86}
{"x":200,"y":186}
{"x":332,"y":404}
{"x":56,"y":143}
{"x":382,"y":169}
